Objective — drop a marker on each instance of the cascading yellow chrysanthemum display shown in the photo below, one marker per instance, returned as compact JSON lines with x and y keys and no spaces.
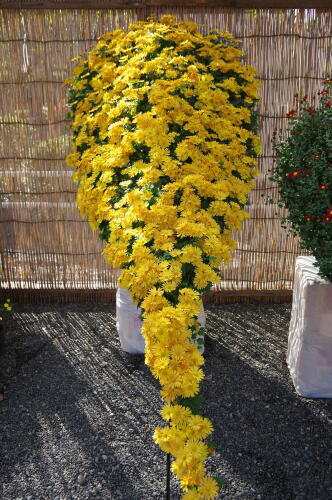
{"x":164,"y":149}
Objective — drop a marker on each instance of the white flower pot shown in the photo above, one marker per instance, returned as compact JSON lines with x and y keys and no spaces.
{"x":309,"y":354}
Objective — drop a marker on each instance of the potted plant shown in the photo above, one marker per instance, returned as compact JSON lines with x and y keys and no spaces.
{"x":164,"y":153}
{"x":5,"y":312}
{"x":303,"y":172}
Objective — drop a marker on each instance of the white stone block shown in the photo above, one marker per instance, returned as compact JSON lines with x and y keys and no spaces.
{"x":128,"y":323}
{"x":309,"y":354}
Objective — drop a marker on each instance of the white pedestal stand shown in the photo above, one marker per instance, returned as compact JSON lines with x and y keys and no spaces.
{"x":309,"y":354}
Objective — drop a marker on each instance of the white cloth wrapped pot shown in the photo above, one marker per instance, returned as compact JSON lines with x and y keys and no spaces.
{"x":129,"y":324}
{"x":309,"y":354}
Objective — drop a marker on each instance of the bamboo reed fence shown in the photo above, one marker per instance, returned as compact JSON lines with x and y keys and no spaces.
{"x":47,"y":251}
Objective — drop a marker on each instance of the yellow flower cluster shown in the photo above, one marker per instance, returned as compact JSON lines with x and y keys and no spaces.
{"x":5,"y":309}
{"x":164,"y":152}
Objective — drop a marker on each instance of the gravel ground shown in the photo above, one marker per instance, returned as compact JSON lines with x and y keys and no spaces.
{"x":77,"y":415}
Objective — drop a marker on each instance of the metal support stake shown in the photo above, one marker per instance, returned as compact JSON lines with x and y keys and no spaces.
{"x":168,"y":477}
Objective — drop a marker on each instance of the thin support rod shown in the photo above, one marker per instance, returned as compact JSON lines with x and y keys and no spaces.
{"x":168,"y":477}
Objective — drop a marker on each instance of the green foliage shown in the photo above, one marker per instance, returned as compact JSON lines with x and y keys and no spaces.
{"x":220,"y":482}
{"x":105,"y":231}
{"x":303,"y":172}
{"x":194,"y":403}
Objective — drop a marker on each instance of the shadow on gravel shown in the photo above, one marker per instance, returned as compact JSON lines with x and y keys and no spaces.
{"x":78,"y":416}
{"x":64,"y":431}
{"x":51,"y":406}
{"x":272,"y":444}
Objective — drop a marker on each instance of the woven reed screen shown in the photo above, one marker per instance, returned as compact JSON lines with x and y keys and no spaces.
{"x":44,"y":243}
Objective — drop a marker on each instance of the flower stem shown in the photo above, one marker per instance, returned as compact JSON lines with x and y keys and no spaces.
{"x":168,"y":477}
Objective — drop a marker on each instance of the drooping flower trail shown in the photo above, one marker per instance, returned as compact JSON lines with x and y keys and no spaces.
{"x":164,"y":150}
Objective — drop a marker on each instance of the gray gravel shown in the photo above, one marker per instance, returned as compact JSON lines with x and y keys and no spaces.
{"x":77,"y":416}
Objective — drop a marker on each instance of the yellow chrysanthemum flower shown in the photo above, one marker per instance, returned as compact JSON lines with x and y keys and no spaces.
{"x":178,"y":414}
{"x":208,"y":488}
{"x":192,"y":494}
{"x":198,"y":427}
